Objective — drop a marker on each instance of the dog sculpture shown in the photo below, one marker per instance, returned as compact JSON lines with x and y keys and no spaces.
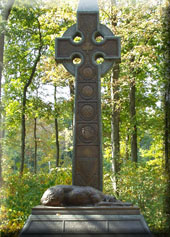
{"x":70,"y":195}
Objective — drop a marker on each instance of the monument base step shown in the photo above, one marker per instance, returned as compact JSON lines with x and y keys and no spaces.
{"x":118,"y":221}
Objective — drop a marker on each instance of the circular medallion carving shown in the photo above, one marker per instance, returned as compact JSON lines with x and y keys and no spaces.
{"x":87,"y":72}
{"x":87,"y":111}
{"x":88,"y":132}
{"x":87,"y":91}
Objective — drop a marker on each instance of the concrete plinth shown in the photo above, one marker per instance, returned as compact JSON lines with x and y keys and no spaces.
{"x":118,"y":221}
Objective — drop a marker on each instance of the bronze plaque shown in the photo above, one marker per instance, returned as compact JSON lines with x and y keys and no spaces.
{"x":87,"y":151}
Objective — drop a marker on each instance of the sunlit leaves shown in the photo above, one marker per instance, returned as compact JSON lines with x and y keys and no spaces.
{"x":144,"y":186}
{"x":19,"y":195}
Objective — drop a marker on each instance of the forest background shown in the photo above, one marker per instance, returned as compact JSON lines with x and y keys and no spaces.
{"x":37,"y":98}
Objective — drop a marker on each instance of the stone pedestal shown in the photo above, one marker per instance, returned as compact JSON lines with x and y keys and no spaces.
{"x":118,"y":221}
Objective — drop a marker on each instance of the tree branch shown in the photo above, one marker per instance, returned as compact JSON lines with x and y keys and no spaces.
{"x":37,"y":59}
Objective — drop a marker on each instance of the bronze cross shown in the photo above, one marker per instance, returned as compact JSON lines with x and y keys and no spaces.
{"x":87,"y":155}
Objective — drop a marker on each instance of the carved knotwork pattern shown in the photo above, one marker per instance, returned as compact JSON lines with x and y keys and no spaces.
{"x":87,"y":112}
{"x":87,"y":91}
{"x":88,"y":72}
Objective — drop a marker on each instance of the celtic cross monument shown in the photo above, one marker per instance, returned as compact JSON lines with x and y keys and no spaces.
{"x":95,"y":42}
{"x":114,"y":219}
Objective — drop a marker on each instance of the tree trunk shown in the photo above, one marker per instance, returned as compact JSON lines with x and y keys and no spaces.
{"x":115,"y":139}
{"x":71,"y":87}
{"x":56,"y":127}
{"x":127,"y":145}
{"x":35,"y":145}
{"x":23,"y":128}
{"x":5,"y":15}
{"x":57,"y":143}
{"x":23,"y":131}
{"x":133,"y":121}
{"x":115,"y":122}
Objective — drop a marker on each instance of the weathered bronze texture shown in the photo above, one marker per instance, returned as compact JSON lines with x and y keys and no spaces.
{"x":70,"y":195}
{"x":87,"y":160}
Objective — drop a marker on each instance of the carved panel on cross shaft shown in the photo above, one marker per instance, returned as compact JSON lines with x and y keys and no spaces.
{"x":87,"y":91}
{"x":87,"y":170}
{"x":87,"y":111}
{"x":87,"y":151}
{"x":87,"y":23}
{"x":88,"y":72}
{"x":87,"y":133}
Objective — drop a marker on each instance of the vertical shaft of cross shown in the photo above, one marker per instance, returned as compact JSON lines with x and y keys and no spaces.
{"x":87,"y":163}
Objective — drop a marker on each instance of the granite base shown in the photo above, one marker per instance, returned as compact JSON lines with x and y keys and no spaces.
{"x":118,"y":221}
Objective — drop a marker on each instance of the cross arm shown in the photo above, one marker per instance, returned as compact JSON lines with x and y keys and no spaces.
{"x":110,"y":48}
{"x":65,"y":49}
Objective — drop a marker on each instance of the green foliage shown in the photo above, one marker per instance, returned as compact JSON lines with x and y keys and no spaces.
{"x":27,"y":19}
{"x":20,"y":194}
{"x":143,"y":185}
